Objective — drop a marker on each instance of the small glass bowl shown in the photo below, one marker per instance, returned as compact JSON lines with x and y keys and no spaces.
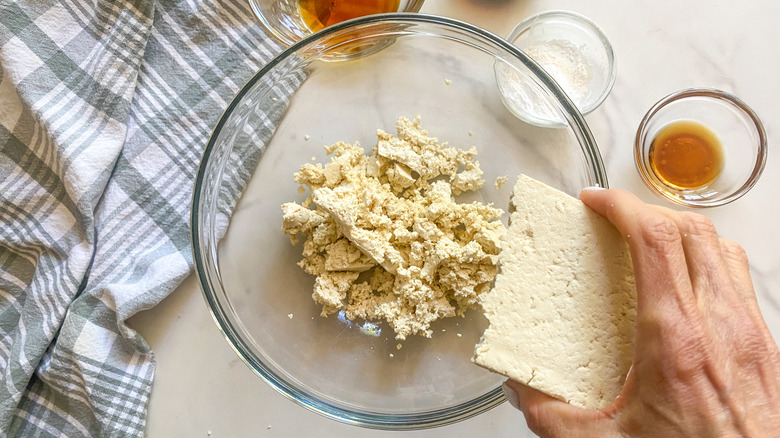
{"x":738,"y":128}
{"x":282,"y":18}
{"x":574,"y":51}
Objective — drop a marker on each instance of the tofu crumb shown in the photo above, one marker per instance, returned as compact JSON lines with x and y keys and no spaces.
{"x":306,"y":137}
{"x":500,"y":181}
{"x":391,"y":355}
{"x":471,"y":134}
{"x":447,"y":81}
{"x":459,"y":335}
{"x":398,"y":347}
{"x":384,"y":235}
{"x":290,"y":315}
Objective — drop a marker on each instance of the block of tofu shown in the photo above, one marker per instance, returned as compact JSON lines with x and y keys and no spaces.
{"x":563,"y":308}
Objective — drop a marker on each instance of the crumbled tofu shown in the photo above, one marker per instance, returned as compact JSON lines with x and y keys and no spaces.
{"x":384,"y":235}
{"x":448,"y":82}
{"x":298,"y":219}
{"x":500,"y":181}
{"x":343,"y":256}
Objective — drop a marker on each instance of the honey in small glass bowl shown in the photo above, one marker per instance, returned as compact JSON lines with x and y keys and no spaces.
{"x":319,"y":14}
{"x":700,"y":148}
{"x":289,"y":21}
{"x":686,"y":154}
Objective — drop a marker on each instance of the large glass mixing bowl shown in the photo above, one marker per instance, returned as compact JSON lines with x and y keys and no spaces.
{"x":399,"y":65}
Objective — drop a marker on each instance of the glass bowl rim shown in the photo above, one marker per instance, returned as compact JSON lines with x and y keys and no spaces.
{"x":200,"y":249}
{"x":713,"y":94}
{"x":532,"y":20}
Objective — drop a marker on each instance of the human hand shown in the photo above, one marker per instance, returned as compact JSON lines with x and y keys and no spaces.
{"x":705,"y":363}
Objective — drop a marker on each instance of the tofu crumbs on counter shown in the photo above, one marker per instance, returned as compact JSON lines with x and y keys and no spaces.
{"x":384,"y":235}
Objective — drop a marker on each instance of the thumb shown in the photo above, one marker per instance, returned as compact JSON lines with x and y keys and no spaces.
{"x":549,"y":417}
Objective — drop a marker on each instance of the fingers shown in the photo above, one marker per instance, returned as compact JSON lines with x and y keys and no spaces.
{"x":739,"y":269}
{"x":711,"y":277}
{"x":549,"y":417}
{"x":655,"y":243}
{"x":702,"y":345}
{"x":711,"y":263}
{"x":737,"y":263}
{"x":712,"y":285}
{"x":717,"y":269}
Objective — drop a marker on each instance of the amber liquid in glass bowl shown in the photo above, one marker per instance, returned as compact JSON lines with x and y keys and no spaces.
{"x":319,"y":14}
{"x":686,"y":155}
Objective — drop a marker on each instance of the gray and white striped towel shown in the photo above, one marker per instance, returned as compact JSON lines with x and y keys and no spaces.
{"x":105,"y":108}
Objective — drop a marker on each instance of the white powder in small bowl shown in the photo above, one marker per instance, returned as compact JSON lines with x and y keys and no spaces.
{"x":565,"y":62}
{"x":572,"y":50}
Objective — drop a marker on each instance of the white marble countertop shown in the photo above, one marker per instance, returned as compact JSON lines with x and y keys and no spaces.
{"x":201,"y":387}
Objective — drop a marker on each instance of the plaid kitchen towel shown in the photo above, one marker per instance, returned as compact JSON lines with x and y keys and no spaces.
{"x":105,"y":108}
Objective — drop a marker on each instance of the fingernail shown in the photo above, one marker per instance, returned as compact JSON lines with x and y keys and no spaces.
{"x":511,"y":395}
{"x":593,"y":188}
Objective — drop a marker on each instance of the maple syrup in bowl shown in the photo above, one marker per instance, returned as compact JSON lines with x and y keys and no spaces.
{"x":700,"y":147}
{"x":289,"y":21}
